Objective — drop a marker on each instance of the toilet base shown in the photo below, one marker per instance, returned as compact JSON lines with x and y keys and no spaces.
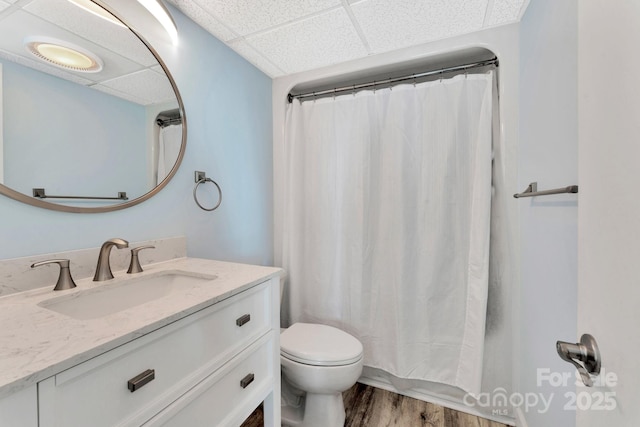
{"x":324,"y":410}
{"x":316,"y":410}
{"x":292,"y":415}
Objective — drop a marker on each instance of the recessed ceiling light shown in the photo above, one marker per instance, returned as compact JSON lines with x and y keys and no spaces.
{"x":160,"y":12}
{"x":63,"y":54}
{"x":97,"y":10}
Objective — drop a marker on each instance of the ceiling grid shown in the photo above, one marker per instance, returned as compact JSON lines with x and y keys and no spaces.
{"x":279,"y":37}
{"x":283,"y":37}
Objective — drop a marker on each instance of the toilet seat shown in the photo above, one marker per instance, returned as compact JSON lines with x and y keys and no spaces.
{"x":319,"y":345}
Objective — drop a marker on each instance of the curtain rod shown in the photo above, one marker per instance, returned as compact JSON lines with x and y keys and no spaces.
{"x":373,"y":84}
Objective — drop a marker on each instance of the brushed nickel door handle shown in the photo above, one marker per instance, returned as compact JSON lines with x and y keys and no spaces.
{"x":585,"y":356}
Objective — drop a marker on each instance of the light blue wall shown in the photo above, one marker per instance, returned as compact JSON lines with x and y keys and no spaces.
{"x":548,"y":154}
{"x":56,"y":130}
{"x":228,"y":108}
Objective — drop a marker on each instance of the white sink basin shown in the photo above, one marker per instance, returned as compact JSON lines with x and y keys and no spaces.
{"x":110,"y":298}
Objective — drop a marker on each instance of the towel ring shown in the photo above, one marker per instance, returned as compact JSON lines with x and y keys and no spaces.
{"x":195,"y":197}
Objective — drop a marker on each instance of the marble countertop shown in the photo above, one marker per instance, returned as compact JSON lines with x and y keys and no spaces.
{"x":36,"y":343}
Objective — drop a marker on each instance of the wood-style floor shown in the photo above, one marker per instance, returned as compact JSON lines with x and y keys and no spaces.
{"x":368,"y":406}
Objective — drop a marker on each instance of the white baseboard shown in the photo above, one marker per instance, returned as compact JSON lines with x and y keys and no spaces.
{"x":521,"y":421}
{"x":438,"y":400}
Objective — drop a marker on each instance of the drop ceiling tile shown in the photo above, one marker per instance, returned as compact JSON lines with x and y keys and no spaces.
{"x":325,"y":39}
{"x":389,"y":25}
{"x":504,"y":11}
{"x":249,"y":16}
{"x":253,"y":56}
{"x":145,"y":84}
{"x":108,"y":35}
{"x":204,"y":19}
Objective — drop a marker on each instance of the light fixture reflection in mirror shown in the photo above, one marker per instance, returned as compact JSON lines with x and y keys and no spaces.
{"x":96,"y":10}
{"x":162,"y":15}
{"x":63,"y":54}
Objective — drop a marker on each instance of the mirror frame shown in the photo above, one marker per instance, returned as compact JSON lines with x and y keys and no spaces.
{"x":33,"y":201}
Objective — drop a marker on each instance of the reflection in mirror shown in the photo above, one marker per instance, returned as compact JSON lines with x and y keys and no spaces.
{"x":96,"y":122}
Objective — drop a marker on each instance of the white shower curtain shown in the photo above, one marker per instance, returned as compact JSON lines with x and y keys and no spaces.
{"x":170,"y":141}
{"x":386,"y":223}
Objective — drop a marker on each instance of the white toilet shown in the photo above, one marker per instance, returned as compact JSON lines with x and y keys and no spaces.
{"x":318,"y":363}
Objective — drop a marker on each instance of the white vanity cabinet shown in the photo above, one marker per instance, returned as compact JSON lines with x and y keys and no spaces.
{"x":211,"y":368}
{"x":20,"y":409}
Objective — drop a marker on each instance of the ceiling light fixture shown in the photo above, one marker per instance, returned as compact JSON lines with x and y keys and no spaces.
{"x":94,"y":9}
{"x":160,"y":12}
{"x":63,"y":54}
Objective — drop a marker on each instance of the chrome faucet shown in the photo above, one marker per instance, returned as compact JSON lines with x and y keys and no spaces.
{"x":103,"y":270}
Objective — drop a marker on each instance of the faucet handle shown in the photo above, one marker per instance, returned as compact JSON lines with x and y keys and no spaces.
{"x":65,"y":281}
{"x":134,"y":265}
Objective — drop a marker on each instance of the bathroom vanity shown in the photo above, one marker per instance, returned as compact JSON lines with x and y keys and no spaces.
{"x":187,"y":342}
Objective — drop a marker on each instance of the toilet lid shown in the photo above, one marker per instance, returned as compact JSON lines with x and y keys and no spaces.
{"x":319,"y":345}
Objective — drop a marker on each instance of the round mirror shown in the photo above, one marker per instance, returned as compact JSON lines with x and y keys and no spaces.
{"x":90,"y":118}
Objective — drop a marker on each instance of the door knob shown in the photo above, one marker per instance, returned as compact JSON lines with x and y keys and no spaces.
{"x":585,"y":356}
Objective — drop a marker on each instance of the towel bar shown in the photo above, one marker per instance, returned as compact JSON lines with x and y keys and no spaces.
{"x":532,"y":190}
{"x":40,"y":194}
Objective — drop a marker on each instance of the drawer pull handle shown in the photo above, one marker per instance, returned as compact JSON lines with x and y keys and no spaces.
{"x":140,"y":380}
{"x":246,"y":381}
{"x":243,"y":319}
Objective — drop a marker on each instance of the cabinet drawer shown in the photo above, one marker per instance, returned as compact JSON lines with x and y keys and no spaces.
{"x":96,"y":393}
{"x":223,"y":398}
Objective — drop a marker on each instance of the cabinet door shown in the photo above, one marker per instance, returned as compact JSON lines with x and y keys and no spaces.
{"x":20,"y":408}
{"x":229,"y":395}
